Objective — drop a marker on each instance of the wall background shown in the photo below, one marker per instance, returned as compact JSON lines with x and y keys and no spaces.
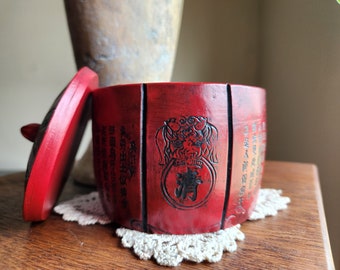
{"x":289,"y":47}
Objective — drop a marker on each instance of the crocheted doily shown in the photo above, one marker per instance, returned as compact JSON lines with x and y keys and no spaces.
{"x":171,"y":250}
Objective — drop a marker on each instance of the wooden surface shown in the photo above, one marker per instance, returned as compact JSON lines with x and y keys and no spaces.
{"x":296,"y":238}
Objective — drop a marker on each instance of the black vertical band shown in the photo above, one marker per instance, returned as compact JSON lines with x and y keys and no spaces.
{"x":230,"y":155}
{"x":143,"y":173}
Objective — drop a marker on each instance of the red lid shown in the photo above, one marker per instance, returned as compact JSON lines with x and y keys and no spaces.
{"x":56,"y":144}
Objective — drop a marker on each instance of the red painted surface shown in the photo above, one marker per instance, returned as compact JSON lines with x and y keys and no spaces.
{"x":161,"y":154}
{"x":177,"y":158}
{"x":30,"y":131}
{"x":186,"y":188}
{"x":117,"y":160}
{"x":249,"y":133}
{"x":54,"y":147}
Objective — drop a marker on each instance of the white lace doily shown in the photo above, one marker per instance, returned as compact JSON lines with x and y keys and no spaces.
{"x":171,"y":250}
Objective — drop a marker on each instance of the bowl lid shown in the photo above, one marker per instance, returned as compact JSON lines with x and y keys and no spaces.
{"x":56,"y":142}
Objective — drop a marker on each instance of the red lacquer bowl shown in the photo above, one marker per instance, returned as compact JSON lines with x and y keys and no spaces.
{"x":178,"y":158}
